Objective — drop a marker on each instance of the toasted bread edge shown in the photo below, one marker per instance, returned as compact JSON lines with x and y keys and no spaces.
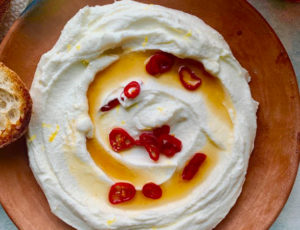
{"x":15,"y":131}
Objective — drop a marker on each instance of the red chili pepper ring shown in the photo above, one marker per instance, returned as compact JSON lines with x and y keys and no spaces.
{"x":152,"y":191}
{"x":193,"y":166}
{"x":188,"y":78}
{"x":121,"y":192}
{"x":169,"y":145}
{"x":110,"y":105}
{"x":132,"y":90}
{"x":159,"y":63}
{"x":120,"y":140}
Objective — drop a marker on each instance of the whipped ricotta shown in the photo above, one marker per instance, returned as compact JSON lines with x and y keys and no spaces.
{"x":66,"y":124}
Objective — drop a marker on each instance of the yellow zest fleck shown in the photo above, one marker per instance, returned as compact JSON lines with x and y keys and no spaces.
{"x":118,"y":108}
{"x":169,"y":162}
{"x":110,"y":222}
{"x":165,"y":43}
{"x":148,"y":6}
{"x":148,"y":128}
{"x":32,"y":138}
{"x":153,"y":228}
{"x":78,"y":47}
{"x":44,"y":125}
{"x":69,"y":47}
{"x":145,"y":41}
{"x":136,"y":106}
{"x":187,"y":35}
{"x":160,"y":109}
{"x":177,"y":30}
{"x":123,"y":122}
{"x":53,"y":135}
{"x":85,"y":62}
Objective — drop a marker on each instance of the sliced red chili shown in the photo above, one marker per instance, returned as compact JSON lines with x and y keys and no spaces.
{"x":121,"y":192}
{"x":150,"y":142}
{"x":169,"y":145}
{"x":122,"y":96}
{"x":159,"y":63}
{"x":153,"y":151}
{"x":110,"y":105}
{"x":159,"y":141}
{"x":120,"y":140}
{"x":147,"y":138}
{"x":193,"y":166}
{"x":188,"y":78}
{"x":152,"y":191}
{"x":132,"y":89}
{"x":165,"y":129}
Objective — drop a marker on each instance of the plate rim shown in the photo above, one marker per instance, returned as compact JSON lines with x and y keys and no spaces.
{"x":34,"y":4}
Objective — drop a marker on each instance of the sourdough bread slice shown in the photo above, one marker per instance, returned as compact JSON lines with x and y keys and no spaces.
{"x":15,"y":106}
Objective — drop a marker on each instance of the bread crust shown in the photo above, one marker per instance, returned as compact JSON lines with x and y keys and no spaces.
{"x":15,"y":130}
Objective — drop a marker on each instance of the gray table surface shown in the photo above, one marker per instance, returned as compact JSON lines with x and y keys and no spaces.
{"x":284,"y":17}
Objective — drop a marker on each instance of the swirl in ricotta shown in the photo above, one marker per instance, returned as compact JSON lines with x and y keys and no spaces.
{"x":100,"y":50}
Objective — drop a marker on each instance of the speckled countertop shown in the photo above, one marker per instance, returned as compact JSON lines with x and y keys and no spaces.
{"x":284,"y":18}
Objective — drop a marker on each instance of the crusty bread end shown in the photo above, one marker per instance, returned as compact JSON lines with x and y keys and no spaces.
{"x":15,"y":106}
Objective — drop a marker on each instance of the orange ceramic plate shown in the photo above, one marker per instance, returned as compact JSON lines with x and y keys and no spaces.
{"x":274,"y":162}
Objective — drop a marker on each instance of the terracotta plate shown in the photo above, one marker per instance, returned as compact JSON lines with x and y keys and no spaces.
{"x":274,"y":162}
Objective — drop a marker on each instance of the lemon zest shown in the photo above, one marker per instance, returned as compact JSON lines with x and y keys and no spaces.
{"x":118,"y":108}
{"x":78,"y":47}
{"x":110,"y":222}
{"x":54,"y":134}
{"x":145,"y":41}
{"x":32,"y":138}
{"x":187,"y":35}
{"x":160,"y":109}
{"x":69,"y":47}
{"x":169,"y":162}
{"x":148,"y":6}
{"x":180,"y":31}
{"x":85,"y":62}
{"x":44,"y":125}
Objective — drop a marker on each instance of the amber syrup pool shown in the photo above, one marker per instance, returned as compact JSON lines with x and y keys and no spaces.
{"x":133,"y":64}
